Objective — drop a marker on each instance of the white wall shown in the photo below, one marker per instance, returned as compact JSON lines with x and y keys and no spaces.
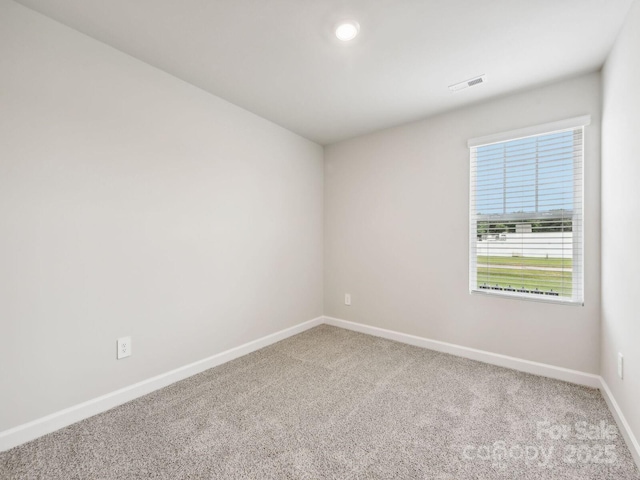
{"x":135,"y":204}
{"x":621,"y":218}
{"x":396,"y":232}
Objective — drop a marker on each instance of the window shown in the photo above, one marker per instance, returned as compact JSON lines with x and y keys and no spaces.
{"x":526,"y":218}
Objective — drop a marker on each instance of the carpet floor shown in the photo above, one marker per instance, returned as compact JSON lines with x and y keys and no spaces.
{"x":334,"y":404}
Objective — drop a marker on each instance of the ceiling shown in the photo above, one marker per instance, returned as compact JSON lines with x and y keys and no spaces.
{"x":281,"y":60}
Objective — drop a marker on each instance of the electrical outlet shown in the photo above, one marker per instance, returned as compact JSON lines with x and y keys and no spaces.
{"x":347,"y":299}
{"x":124,"y":347}
{"x":620,"y":365}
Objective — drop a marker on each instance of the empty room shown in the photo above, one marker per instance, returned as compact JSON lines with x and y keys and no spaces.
{"x":319,"y":239}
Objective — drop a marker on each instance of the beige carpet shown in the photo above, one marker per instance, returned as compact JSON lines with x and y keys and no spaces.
{"x":330,"y":403}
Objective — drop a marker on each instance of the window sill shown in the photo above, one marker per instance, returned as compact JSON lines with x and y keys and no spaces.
{"x":529,"y":297}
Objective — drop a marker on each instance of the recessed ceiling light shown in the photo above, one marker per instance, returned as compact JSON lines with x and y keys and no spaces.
{"x":347,"y":31}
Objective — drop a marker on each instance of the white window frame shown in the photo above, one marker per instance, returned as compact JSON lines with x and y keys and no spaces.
{"x":577,"y":220}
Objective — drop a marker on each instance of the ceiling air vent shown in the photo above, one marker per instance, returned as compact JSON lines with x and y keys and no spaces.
{"x":468,"y":83}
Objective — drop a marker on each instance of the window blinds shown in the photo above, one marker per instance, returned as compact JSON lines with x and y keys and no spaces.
{"x":526,"y":214}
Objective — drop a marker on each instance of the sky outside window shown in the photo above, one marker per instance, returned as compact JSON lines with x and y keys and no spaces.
{"x":533,"y":174}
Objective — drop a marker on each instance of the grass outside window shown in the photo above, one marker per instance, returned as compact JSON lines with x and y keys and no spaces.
{"x":530,"y":273}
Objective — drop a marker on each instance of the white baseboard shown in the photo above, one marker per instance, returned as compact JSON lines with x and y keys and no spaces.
{"x":50,"y":423}
{"x":543,"y":369}
{"x":623,"y":425}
